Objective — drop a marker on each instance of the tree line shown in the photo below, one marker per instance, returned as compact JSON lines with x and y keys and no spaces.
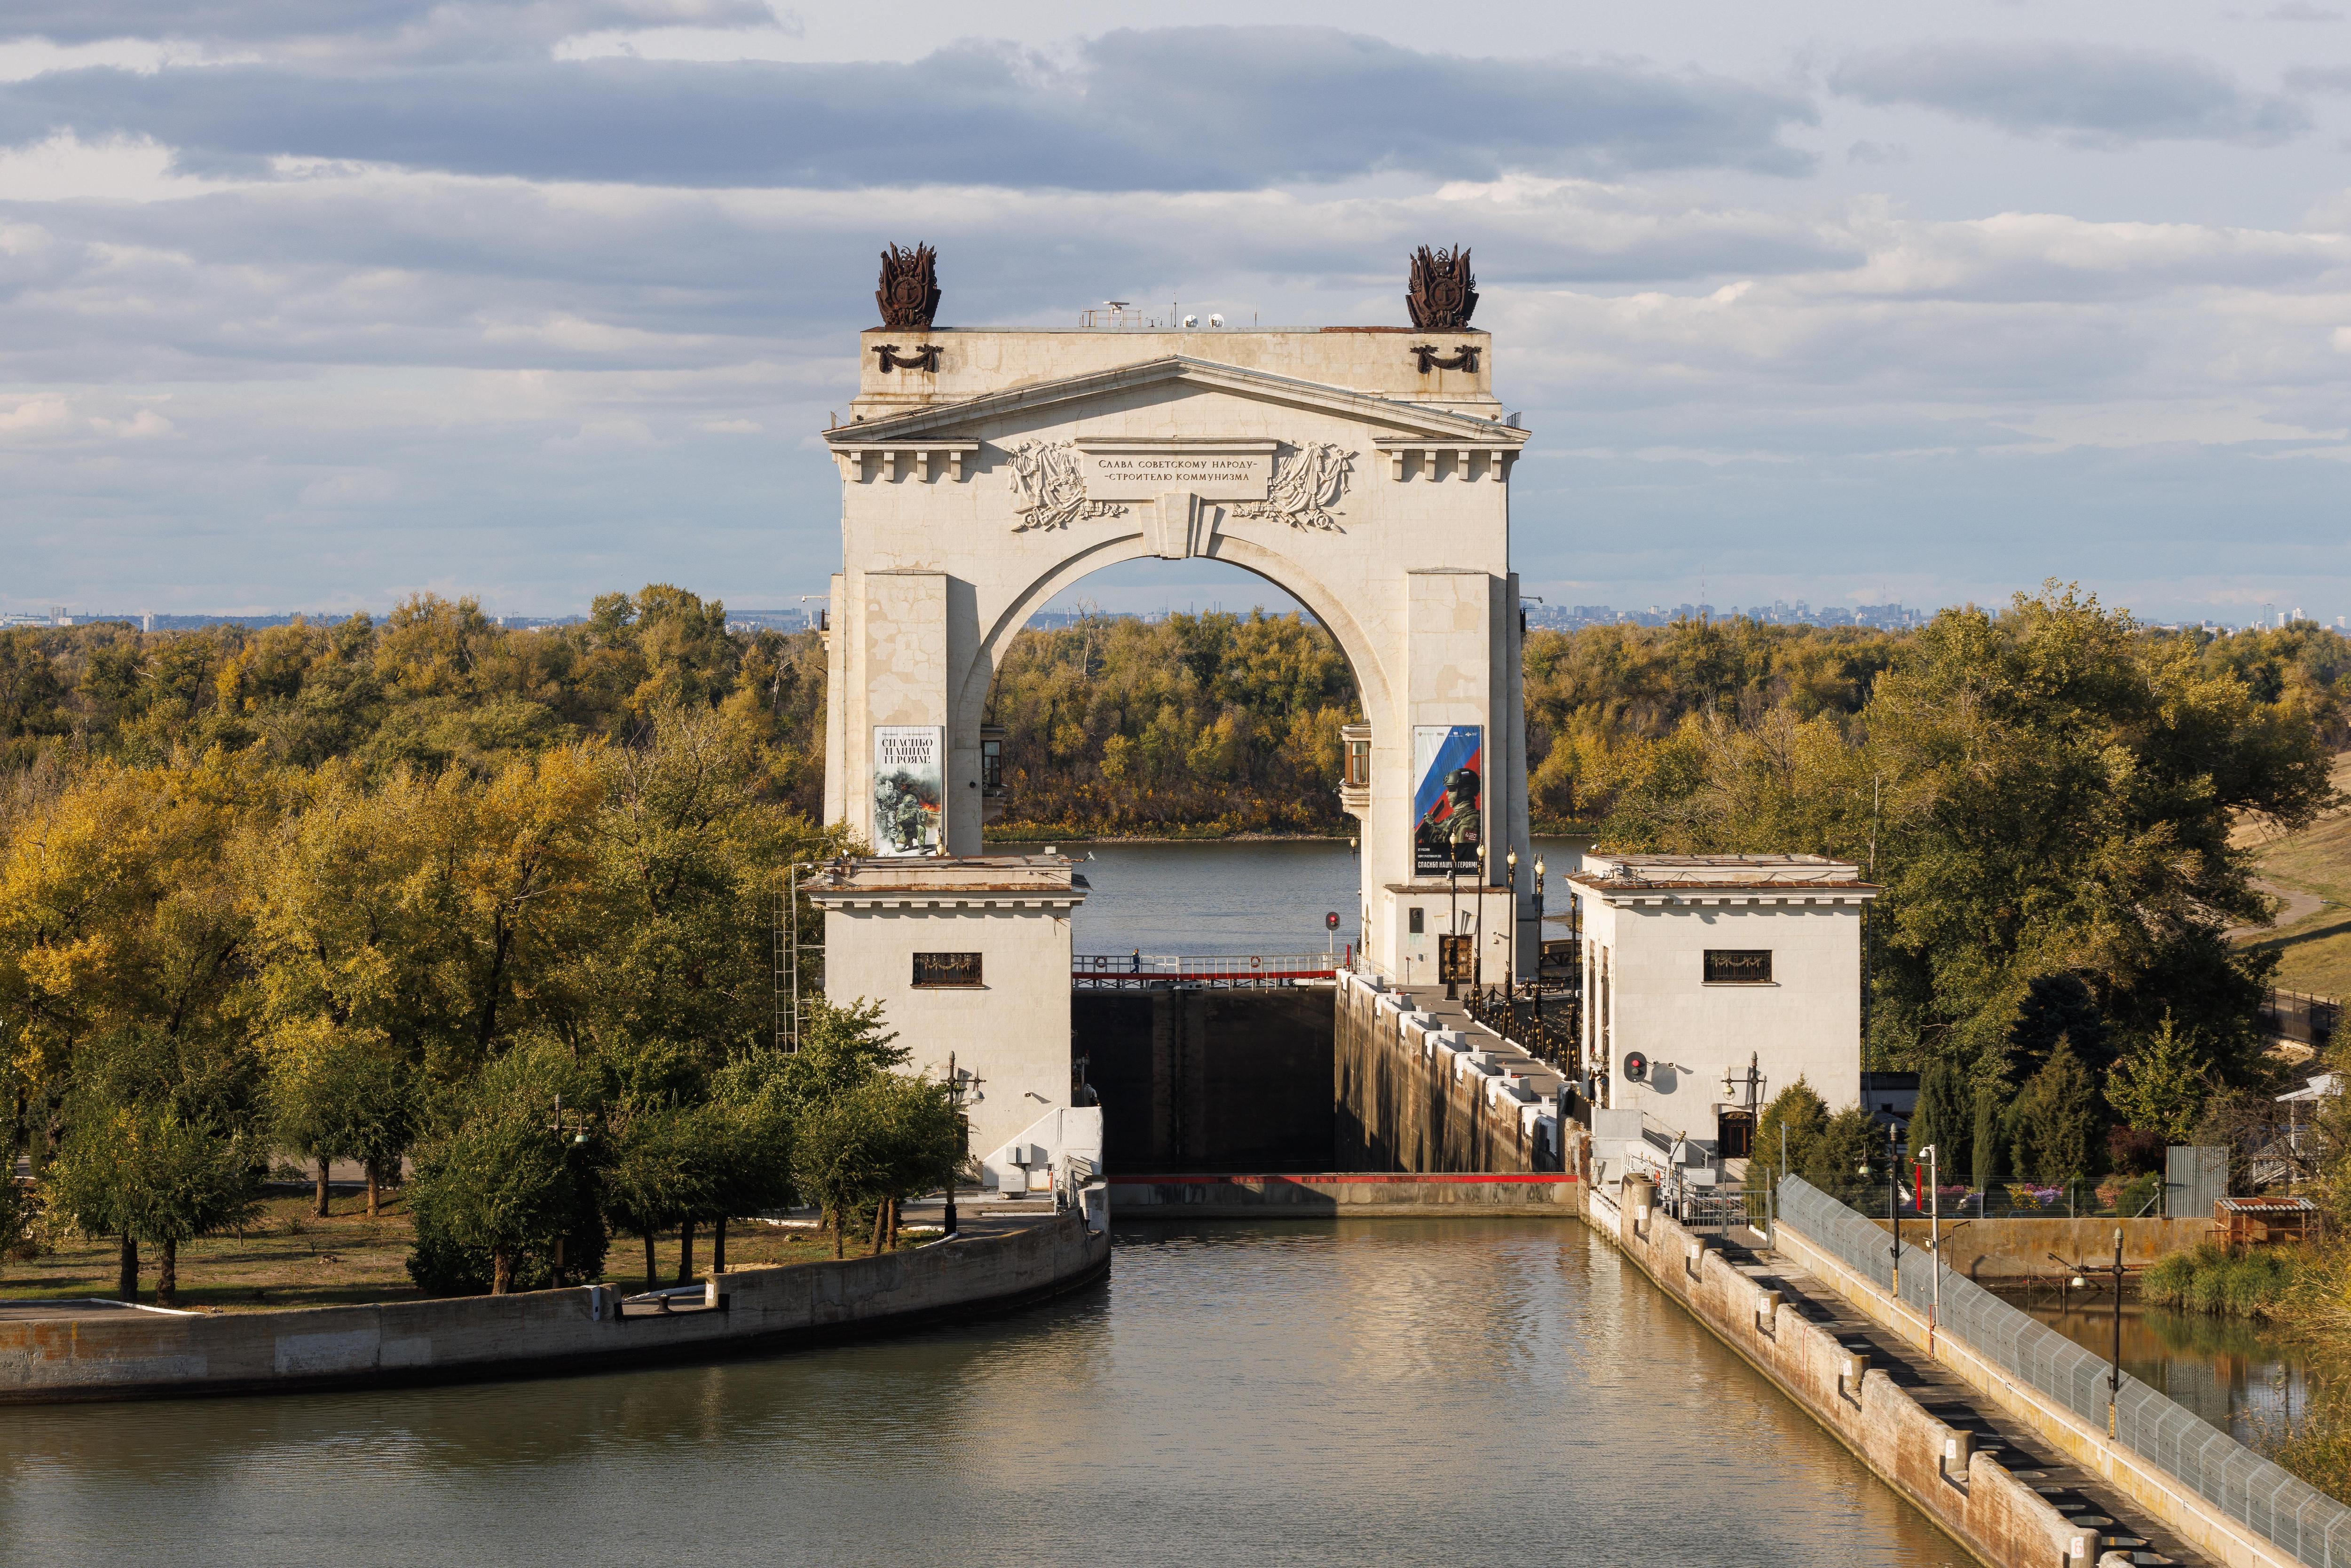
{"x":2044,"y":792}
{"x":543,"y":978}
{"x":2045,"y":795}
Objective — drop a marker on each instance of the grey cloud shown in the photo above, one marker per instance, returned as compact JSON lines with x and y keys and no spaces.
{"x":366,"y":28}
{"x":1183,"y":108}
{"x":2084,"y":93}
{"x":2333,"y":79}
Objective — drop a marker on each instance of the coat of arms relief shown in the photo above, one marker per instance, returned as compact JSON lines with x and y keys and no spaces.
{"x":1303,"y":491}
{"x":1053,"y":493}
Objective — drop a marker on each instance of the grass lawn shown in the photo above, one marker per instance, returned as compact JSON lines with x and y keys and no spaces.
{"x":2315,"y":949}
{"x":290,"y":1258}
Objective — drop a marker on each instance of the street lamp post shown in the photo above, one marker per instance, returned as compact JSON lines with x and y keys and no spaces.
{"x":1934,"y":1238}
{"x":1511,"y":959}
{"x":2115,"y":1375}
{"x":960,"y":1082}
{"x":1448,"y":947}
{"x":1538,"y":929}
{"x":1477,"y":925}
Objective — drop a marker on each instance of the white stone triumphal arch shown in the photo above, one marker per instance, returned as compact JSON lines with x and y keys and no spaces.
{"x":1365,"y":471}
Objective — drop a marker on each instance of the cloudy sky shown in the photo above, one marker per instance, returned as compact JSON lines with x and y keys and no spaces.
{"x":1850,"y":302}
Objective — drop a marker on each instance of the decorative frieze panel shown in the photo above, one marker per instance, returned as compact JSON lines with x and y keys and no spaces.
{"x":1050,"y":491}
{"x":1306,"y":488}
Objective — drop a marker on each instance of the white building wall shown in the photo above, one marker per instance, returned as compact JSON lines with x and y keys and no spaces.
{"x":1806,"y":1022}
{"x":1013,"y":1029}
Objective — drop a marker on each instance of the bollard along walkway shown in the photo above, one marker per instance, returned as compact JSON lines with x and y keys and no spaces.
{"x":2127,"y":1535}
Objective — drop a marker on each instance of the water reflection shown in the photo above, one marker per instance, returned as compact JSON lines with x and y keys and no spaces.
{"x":1500,"y":1391}
{"x":2236,"y":1375}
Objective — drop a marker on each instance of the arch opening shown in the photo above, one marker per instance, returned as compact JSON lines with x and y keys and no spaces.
{"x":1183,"y":723}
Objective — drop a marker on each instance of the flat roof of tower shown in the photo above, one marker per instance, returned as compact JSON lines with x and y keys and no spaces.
{"x":1622,"y":871}
{"x":934,"y":876}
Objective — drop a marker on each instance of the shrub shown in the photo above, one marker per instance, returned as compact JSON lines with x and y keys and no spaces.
{"x":2209,"y":1279}
{"x":2134,"y":1151}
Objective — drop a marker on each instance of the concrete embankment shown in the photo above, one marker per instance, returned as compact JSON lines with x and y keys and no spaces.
{"x":1420,"y":1087}
{"x":1346,"y":1195}
{"x":136,"y":1355}
{"x":1998,"y":1517}
{"x":2149,"y":1486}
{"x":1990,"y":1250}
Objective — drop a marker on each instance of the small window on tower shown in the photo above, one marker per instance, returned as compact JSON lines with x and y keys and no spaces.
{"x":1738,"y":967}
{"x":947,"y":970}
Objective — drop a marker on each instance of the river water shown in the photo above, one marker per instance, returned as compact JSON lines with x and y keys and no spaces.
{"x":1300,"y":1392}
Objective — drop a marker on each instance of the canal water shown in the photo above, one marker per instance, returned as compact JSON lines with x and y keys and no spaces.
{"x":1241,"y":896}
{"x":2236,"y":1375}
{"x":1304,"y":1392}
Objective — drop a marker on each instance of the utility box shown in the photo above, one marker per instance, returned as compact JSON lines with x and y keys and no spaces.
{"x":2194,"y":1177}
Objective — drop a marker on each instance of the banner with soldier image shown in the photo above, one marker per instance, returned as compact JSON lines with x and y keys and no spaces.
{"x":909,"y":784}
{"x":1448,"y":770}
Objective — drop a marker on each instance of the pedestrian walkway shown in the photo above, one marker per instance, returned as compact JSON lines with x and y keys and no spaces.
{"x":2073,"y":1492}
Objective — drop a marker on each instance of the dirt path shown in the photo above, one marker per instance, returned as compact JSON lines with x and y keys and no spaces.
{"x":2293,"y":908}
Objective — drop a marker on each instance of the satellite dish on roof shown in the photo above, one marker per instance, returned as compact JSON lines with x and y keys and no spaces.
{"x":1215,"y":320}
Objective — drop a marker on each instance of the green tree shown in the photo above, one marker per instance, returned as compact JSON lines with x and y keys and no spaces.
{"x":1786,"y":1132}
{"x":1849,"y":1141}
{"x":1990,"y":1145}
{"x":1944,"y":1119}
{"x":144,"y":1171}
{"x":2161,"y":1084}
{"x":2058,"y":1130}
{"x":755,"y":1167}
{"x":345,"y":1094}
{"x":2046,"y":797}
{"x":506,"y":1198}
{"x":884,"y":1138}
{"x":663,"y":1174}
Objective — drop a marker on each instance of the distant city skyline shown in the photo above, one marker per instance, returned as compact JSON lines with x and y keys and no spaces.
{"x":1892,"y":617}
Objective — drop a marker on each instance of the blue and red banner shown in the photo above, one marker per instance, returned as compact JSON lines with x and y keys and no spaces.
{"x":1448,"y":798}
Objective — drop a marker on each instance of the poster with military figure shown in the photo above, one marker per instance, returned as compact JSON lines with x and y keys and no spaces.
{"x":1448,"y":769}
{"x":909,"y":783}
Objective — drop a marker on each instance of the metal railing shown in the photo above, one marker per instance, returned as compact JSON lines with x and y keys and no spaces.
{"x":2298,"y":1016}
{"x":2261,"y":1495}
{"x":1547,"y":1027}
{"x":1145,"y":971}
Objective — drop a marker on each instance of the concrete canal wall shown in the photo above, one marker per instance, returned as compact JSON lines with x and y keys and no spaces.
{"x":1992,"y":1251}
{"x":1344,"y":1195}
{"x":1998,"y":1516}
{"x":142,"y":1355}
{"x":2152,"y":1488}
{"x":1417,"y":1091}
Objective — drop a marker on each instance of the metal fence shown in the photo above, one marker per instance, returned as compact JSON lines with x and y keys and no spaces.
{"x":1145,"y":971}
{"x":2297,"y":1015}
{"x":2303,"y":1522}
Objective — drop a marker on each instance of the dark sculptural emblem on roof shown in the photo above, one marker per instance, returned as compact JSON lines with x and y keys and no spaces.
{"x":909,"y":294}
{"x":1443,"y":292}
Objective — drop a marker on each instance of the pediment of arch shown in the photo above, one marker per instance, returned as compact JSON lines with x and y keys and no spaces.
{"x":959,"y":424}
